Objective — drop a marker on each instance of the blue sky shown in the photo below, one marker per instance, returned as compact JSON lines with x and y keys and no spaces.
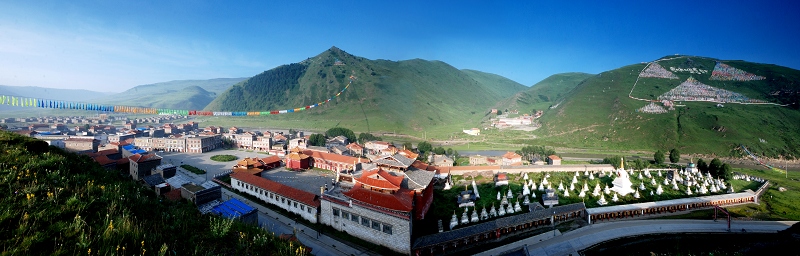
{"x":115,"y":45}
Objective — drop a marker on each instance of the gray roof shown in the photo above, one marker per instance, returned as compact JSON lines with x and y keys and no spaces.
{"x":209,"y":184}
{"x":492,"y":225}
{"x":153,"y":180}
{"x":177,"y":181}
{"x":395,"y":160}
{"x":417,"y":179}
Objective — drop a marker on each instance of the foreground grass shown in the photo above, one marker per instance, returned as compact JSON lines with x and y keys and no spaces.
{"x":59,"y":203}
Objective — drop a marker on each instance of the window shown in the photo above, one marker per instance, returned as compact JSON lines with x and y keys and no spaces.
{"x":295,"y":204}
{"x":336,"y":212}
{"x":365,"y":222}
{"x":270,"y":196}
{"x":302,"y":207}
{"x":376,"y":225}
{"x":345,"y":215}
{"x":387,"y":229}
{"x":283,"y":200}
{"x":354,"y":217}
{"x":309,"y":209}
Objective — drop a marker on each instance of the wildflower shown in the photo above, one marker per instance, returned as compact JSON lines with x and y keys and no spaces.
{"x":111,"y":225}
{"x":117,"y":248}
{"x":90,"y":251}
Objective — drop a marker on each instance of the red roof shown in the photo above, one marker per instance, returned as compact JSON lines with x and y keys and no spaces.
{"x":330,"y":157}
{"x":271,"y":159}
{"x":381,"y":179}
{"x":173,"y":195}
{"x":277,"y":188}
{"x":142,"y":158}
{"x":399,"y":201}
{"x":554,"y":157}
{"x":354,"y":146}
{"x":511,"y":155}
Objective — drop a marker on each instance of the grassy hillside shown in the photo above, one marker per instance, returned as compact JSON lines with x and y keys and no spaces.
{"x":58,"y":203}
{"x":599,"y":114}
{"x":181,"y":94}
{"x":402,"y":96}
{"x":545,"y":93}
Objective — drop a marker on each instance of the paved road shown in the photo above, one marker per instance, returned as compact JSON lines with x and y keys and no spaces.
{"x":571,"y":242}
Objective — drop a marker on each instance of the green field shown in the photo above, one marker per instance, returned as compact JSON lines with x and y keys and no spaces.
{"x":59,"y":203}
{"x":224,"y":158}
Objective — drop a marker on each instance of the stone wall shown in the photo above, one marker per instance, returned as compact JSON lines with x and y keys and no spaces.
{"x":399,"y":240}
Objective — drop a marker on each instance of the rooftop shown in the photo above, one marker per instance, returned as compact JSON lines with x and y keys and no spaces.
{"x":232,"y":208}
{"x":277,"y":188}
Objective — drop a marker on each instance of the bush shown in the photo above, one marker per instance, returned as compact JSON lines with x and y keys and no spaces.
{"x":223,"y":158}
{"x":193,"y":169}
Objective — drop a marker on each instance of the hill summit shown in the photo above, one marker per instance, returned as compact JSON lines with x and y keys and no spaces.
{"x":695,"y":104}
{"x":384,"y":95}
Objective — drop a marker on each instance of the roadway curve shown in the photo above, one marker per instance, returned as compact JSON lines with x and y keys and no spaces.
{"x":574,"y":241}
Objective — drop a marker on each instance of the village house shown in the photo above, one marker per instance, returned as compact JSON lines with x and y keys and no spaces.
{"x":355,"y":149}
{"x":377,"y":147}
{"x":553,"y":160}
{"x":143,"y":165}
{"x":511,"y":159}
{"x":291,"y":199}
{"x":297,"y":160}
{"x":333,"y":162}
{"x":441,"y":160}
{"x":477,"y":160}
{"x":81,"y":145}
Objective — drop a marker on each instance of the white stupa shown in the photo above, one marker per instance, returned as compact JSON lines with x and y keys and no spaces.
{"x":474,"y":218}
{"x":659,"y":190}
{"x":585,"y":186}
{"x":533,"y":195}
{"x":602,"y":200}
{"x":585,"y":173}
{"x":582,"y":194}
{"x":541,"y":187}
{"x":453,"y":221}
{"x":653,"y":182}
{"x":484,"y":215}
{"x":688,"y":190}
{"x":525,"y":191}
{"x":526,"y":201}
{"x":666,"y":181}
{"x":502,"y":211}
{"x":566,"y":193}
{"x":572,"y":186}
{"x":574,"y":179}
{"x":544,"y":181}
{"x":622,"y":184}
{"x":510,"y":209}
{"x":591,"y":176}
{"x":509,"y":194}
{"x":615,"y":198}
{"x":525,"y":176}
{"x":659,"y":173}
{"x":640,"y":176}
{"x":641,"y":186}
{"x":596,"y":191}
{"x":464,"y":218}
{"x":492,"y":212}
{"x":607,"y":190}
{"x":498,"y":195}
{"x":636,"y":194}
{"x":533,"y":185}
{"x":517,"y":207}
{"x":675,"y":186}
{"x":560,"y":186}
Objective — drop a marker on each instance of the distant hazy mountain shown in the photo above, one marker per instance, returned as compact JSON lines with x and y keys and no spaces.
{"x":51,"y":93}
{"x":545,"y":93}
{"x":385,"y":95}
{"x":181,"y":94}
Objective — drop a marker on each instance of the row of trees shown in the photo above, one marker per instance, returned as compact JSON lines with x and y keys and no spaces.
{"x":528,"y":153}
{"x":674,"y":156}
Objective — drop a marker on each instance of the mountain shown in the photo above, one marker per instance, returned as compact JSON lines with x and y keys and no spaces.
{"x":51,"y":93}
{"x":385,"y":95}
{"x":545,"y":93}
{"x":180,"y":94}
{"x":599,"y":113}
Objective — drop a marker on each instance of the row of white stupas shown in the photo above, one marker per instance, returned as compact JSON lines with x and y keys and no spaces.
{"x":484,"y":215}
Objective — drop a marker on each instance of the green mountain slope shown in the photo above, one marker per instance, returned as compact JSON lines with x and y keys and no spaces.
{"x":386,"y":95}
{"x":599,"y":113}
{"x":545,"y":93}
{"x":181,"y":94}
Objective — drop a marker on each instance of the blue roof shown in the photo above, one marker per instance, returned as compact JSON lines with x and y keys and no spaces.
{"x":128,"y":147}
{"x":232,"y":208}
{"x":141,"y":128}
{"x":138,"y":151}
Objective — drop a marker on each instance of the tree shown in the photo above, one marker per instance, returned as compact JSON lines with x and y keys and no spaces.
{"x":423,"y":147}
{"x":674,"y":156}
{"x":407,"y":145}
{"x":439,"y":151}
{"x":613,"y":161}
{"x":715,"y":168}
{"x":702,"y":165}
{"x":364,"y":137}
{"x":340,"y":131}
{"x":317,"y":140}
{"x":499,"y":112}
{"x":659,"y":157}
{"x":727,"y":172}
{"x":449,"y":151}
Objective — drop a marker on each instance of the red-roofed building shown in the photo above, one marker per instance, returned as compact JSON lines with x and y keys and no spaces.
{"x":333,"y":162}
{"x":553,"y":160}
{"x":511,"y":159}
{"x":380,"y":181}
{"x":143,"y":165}
{"x":288,"y":198}
{"x":297,"y":160}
